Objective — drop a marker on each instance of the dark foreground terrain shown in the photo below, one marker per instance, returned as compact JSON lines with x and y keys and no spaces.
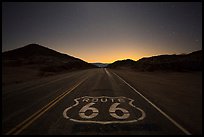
{"x":105,"y":101}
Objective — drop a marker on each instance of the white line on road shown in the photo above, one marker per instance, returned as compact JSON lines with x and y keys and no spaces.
{"x":162,"y":112}
{"x":107,"y":72}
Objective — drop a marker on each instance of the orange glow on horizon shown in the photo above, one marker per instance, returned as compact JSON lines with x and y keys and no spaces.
{"x":113,"y":51}
{"x":111,"y":57}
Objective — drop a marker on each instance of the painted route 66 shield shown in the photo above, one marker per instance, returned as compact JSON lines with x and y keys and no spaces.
{"x":104,"y":110}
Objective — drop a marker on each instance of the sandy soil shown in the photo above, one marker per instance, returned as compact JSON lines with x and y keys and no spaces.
{"x":12,"y":75}
{"x":17,"y":75}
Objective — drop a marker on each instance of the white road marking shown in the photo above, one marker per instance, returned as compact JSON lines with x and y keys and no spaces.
{"x":87,"y":107}
{"x":103,"y":122}
{"x":112,"y":110}
{"x":162,"y":112}
{"x":107,"y":72}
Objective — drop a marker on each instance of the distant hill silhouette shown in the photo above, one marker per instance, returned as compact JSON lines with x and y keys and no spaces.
{"x":42,"y":58}
{"x":183,"y":62}
{"x":101,"y":65}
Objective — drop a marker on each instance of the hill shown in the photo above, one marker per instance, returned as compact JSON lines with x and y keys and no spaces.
{"x":44,"y":58}
{"x":183,"y":62}
{"x":36,"y":60}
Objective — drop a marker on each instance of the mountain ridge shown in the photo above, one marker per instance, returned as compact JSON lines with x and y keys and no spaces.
{"x":43,"y":58}
{"x":182,"y":62}
{"x":31,"y":50}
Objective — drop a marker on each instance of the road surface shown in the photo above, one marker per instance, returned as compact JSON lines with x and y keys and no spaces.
{"x":86,"y":102}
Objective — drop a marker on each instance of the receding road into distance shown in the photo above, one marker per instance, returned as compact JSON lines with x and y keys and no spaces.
{"x":92,"y":101}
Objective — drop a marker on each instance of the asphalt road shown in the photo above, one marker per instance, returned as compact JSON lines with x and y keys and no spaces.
{"x":94,"y":101}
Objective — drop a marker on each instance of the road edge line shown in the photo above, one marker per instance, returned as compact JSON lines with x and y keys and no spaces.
{"x":157,"y":108}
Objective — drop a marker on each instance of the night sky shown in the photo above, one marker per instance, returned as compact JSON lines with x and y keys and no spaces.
{"x":104,"y":32}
